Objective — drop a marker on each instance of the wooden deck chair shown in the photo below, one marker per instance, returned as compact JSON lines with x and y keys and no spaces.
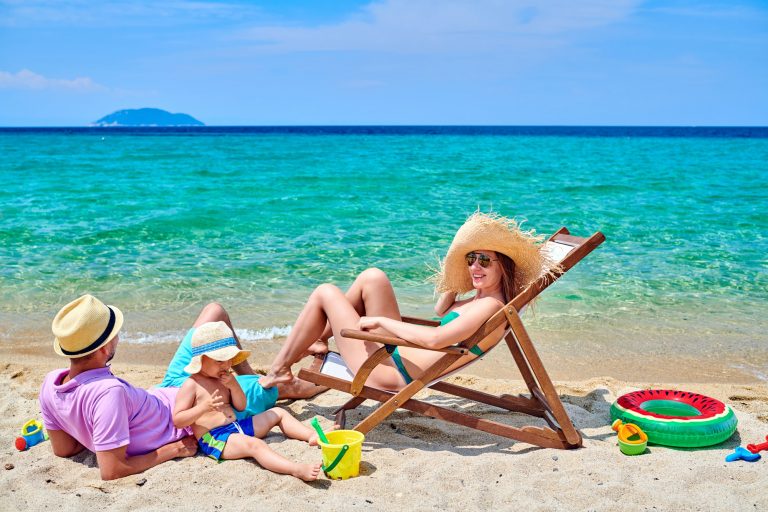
{"x":543,"y":401}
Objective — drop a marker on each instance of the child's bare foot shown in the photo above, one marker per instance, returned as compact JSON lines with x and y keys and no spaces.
{"x":307,"y":472}
{"x":313,"y":439}
{"x":276,"y":376}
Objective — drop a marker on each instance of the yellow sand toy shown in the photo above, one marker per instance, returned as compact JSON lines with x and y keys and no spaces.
{"x":632,"y":440}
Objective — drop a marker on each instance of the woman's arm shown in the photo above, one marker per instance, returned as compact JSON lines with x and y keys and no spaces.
{"x":443,"y":336}
{"x":445,"y":301}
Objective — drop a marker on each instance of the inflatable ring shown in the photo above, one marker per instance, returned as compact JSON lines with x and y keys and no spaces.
{"x":676,"y":418}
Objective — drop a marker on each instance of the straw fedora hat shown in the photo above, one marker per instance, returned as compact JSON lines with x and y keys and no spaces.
{"x":84,"y":325}
{"x":215,"y":340}
{"x":491,"y":232}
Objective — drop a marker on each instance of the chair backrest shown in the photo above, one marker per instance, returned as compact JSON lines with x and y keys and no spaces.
{"x":563,"y":248}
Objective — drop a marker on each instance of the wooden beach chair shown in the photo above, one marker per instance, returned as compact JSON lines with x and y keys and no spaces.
{"x":543,"y":401}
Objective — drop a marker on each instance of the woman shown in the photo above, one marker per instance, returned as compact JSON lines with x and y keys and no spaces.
{"x":489,"y":254}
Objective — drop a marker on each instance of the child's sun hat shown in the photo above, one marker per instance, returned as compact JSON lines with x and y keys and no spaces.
{"x":492,"y":232}
{"x":215,"y":340}
{"x":84,"y":326}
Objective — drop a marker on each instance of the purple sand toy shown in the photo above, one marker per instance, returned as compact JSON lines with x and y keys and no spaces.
{"x":742,"y":454}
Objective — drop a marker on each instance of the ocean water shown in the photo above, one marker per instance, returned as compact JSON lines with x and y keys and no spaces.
{"x":161,"y":221}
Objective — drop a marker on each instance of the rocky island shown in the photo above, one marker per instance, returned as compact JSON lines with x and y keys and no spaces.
{"x":147,"y":117}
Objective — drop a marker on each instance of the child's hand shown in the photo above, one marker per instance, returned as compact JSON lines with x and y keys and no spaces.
{"x":227,"y":379}
{"x":214,"y":401}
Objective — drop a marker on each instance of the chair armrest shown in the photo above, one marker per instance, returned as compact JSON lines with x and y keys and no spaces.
{"x":420,"y":321}
{"x":391,"y":340}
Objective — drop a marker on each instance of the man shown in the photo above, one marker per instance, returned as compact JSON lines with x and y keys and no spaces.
{"x":130,"y":429}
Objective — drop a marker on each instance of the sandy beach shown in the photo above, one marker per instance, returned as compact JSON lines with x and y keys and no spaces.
{"x":409,"y":462}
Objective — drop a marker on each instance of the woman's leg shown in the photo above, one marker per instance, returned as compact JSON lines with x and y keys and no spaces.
{"x":371,"y":292}
{"x":240,"y":446}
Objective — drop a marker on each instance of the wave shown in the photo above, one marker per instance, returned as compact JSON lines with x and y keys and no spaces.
{"x":175,"y":336}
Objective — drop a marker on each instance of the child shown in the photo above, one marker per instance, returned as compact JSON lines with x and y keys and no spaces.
{"x":206,"y":402}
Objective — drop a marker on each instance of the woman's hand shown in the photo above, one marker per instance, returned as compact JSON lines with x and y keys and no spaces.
{"x":369,"y":323}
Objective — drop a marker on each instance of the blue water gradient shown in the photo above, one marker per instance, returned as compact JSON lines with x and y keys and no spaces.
{"x":159,"y":220}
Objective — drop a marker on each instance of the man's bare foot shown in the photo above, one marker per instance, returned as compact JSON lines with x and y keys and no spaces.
{"x":275,"y":377}
{"x":307,"y":472}
{"x":298,"y":388}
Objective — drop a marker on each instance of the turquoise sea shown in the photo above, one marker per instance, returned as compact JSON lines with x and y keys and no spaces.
{"x":160,"y":222}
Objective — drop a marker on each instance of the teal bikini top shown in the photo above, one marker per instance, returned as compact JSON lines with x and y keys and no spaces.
{"x":453,"y":315}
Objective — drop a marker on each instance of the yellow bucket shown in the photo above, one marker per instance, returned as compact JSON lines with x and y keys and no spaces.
{"x":342,"y":453}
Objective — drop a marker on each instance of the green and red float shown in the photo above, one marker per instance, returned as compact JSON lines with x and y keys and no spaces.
{"x":676,"y":418}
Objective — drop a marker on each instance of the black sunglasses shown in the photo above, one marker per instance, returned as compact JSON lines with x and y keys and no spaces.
{"x":484,"y":260}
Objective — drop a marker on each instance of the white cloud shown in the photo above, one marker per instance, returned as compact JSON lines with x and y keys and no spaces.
{"x":425,"y":26}
{"x":26,"y":79}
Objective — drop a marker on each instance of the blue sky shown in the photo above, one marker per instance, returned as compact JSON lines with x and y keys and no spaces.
{"x":508,"y":62}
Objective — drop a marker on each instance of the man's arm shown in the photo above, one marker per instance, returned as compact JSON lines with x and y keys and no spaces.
{"x":116,"y":464}
{"x":63,"y":444}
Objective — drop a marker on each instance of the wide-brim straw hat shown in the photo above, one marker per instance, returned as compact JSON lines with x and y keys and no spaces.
{"x":217,"y":341}
{"x":492,"y":232}
{"x":84,"y":326}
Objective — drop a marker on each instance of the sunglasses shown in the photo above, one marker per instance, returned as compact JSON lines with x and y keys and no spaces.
{"x":484,"y":260}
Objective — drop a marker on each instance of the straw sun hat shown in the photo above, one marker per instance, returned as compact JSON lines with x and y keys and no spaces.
{"x":491,"y":232}
{"x":215,"y":340}
{"x":84,"y":326}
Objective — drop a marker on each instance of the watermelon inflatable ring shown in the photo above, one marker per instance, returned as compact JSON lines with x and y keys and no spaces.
{"x":676,"y":418}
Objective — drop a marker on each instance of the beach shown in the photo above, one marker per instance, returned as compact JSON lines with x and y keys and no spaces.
{"x":160,"y":221}
{"x":409,"y":462}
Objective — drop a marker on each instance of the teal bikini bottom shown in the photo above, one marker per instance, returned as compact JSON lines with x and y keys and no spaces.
{"x":399,"y":360}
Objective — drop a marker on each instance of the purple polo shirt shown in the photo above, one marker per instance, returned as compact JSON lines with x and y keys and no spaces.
{"x":103,"y":412}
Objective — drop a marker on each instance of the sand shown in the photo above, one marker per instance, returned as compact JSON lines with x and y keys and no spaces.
{"x":409,"y":462}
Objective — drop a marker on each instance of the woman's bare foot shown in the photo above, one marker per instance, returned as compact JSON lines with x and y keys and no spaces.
{"x":298,"y":388}
{"x":307,"y":472}
{"x":276,"y":376}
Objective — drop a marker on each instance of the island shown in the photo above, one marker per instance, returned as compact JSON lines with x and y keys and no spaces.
{"x":146,"y":117}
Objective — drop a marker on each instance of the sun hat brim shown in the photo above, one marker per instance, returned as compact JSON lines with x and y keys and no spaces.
{"x":222,"y":354}
{"x":492,"y":232}
{"x":113,"y":332}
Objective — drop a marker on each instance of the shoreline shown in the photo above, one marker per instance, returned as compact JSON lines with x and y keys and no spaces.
{"x":564,"y":361}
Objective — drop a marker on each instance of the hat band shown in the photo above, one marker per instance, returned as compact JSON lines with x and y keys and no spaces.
{"x":96,"y":343}
{"x":214,"y":345}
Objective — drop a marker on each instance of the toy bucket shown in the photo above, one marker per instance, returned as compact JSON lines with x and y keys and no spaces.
{"x":342,"y":453}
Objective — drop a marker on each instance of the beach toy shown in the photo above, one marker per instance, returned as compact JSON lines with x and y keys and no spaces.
{"x":755,"y":448}
{"x":320,"y":433}
{"x":31,"y":434}
{"x":742,"y":454}
{"x":342,"y":453}
{"x":676,"y":418}
{"x":632,"y":440}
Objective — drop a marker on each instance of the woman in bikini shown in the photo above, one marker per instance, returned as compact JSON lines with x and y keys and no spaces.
{"x":489,"y":254}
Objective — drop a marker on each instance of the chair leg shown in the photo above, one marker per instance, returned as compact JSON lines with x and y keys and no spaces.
{"x":341,"y":412}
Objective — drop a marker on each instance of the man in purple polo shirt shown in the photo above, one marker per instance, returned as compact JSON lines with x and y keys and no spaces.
{"x":130,"y":429}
